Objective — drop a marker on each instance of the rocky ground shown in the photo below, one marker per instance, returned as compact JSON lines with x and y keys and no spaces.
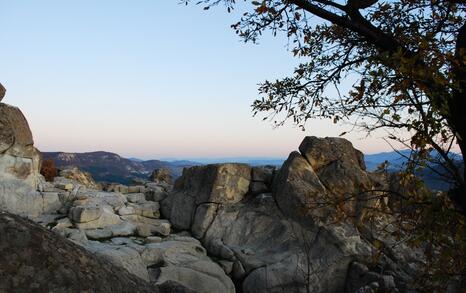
{"x":218,"y":228}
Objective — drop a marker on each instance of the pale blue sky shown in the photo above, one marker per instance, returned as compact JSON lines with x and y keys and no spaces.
{"x":144,"y":78}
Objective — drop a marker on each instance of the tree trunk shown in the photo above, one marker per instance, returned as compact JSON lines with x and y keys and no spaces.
{"x":457,"y":115}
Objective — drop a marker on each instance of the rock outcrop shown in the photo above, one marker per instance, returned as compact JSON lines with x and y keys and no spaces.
{"x":2,"y":92}
{"x":81,"y":177}
{"x":33,"y":259}
{"x":295,"y":230}
{"x":326,"y":180}
{"x":211,"y":184}
{"x":19,"y":164}
{"x":161,"y":175}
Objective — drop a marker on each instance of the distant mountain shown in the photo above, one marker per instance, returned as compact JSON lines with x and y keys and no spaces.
{"x":397,"y":161}
{"x":110,"y":167}
{"x":245,"y":160}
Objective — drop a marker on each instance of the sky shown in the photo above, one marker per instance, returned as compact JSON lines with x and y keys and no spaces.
{"x":146,"y":79}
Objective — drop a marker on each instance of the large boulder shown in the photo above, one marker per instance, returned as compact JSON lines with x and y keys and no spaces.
{"x":339,"y":165}
{"x":161,"y":176}
{"x":185,"y":261}
{"x":34,"y":259}
{"x":218,"y":183}
{"x":270,"y":253}
{"x":19,"y":165}
{"x":2,"y":92}
{"x":325,"y":182}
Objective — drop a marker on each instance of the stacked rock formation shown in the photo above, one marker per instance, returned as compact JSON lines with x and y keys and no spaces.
{"x":19,"y":164}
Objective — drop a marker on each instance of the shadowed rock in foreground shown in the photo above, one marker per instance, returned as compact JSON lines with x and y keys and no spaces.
{"x":33,"y":259}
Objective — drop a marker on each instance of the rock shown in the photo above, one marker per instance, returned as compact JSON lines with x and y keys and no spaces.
{"x":237,"y":270}
{"x":258,"y":187}
{"x":320,"y":152}
{"x":340,"y":167}
{"x":205,"y":214}
{"x":117,"y":188}
{"x":126,"y":210}
{"x":155,"y":192}
{"x":186,"y":262}
{"x":173,"y":287}
{"x":136,"y":189}
{"x":2,"y":92}
{"x":153,"y":239}
{"x":123,"y":229}
{"x":122,"y":241}
{"x":227,"y":266}
{"x":62,"y":224}
{"x":161,"y":175}
{"x":327,"y":182}
{"x":122,"y":256}
{"x":84,"y":214}
{"x":98,"y":234}
{"x":29,"y":251}
{"x":14,"y":129}
{"x":19,"y":165}
{"x":77,"y":236}
{"x":146,"y":209}
{"x":299,"y":192}
{"x":136,"y":197}
{"x":80,"y":177}
{"x":263,"y":174}
{"x":65,"y":186}
{"x":51,"y":202}
{"x":107,"y":218}
{"x":219,"y":183}
{"x":146,"y":227}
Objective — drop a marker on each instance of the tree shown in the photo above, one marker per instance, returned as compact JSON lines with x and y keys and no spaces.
{"x":48,"y":170}
{"x":408,"y":60}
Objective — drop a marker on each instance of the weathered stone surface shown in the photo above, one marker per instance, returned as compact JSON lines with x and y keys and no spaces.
{"x":123,"y":229}
{"x":84,"y":214}
{"x":121,"y":256}
{"x":155,"y":192}
{"x":162,"y":175}
{"x":327,"y":182}
{"x":126,"y":210}
{"x":51,"y":202}
{"x":263,"y":174}
{"x":299,"y":192}
{"x":80,"y":177}
{"x":19,"y":165}
{"x":218,"y":183}
{"x":186,"y":262}
{"x":136,"y":189}
{"x":339,"y":165}
{"x":136,"y":197}
{"x":320,"y":152}
{"x":258,"y":187}
{"x":97,"y":234}
{"x":146,"y":209}
{"x":2,"y":92}
{"x":205,"y":214}
{"x":146,"y":227}
{"x":120,"y":188}
{"x":36,"y":260}
{"x":14,"y":128}
{"x":107,"y":218}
